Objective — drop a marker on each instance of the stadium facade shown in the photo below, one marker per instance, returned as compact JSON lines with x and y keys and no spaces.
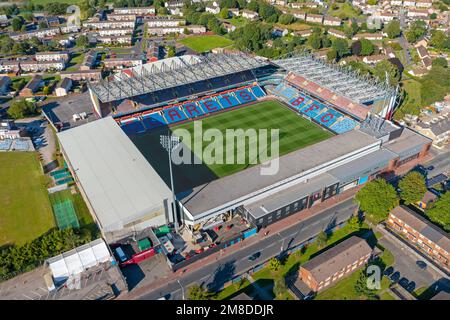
{"x":126,"y":192}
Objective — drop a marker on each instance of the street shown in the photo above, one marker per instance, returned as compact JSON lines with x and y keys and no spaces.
{"x":441,"y":162}
{"x":221,"y":271}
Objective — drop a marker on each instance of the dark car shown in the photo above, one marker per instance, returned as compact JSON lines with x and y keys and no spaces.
{"x":404,"y":282}
{"x":411,"y":286}
{"x":254,"y":256}
{"x":395,"y":276}
{"x":421,"y":264}
{"x":388,"y":271}
{"x":430,"y":168}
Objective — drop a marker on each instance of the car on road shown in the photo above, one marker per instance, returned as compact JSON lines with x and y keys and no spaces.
{"x":254,"y":256}
{"x":395,"y":276}
{"x":388,"y":271}
{"x":404,"y":282}
{"x":411,"y":286}
{"x":430,"y":168}
{"x":421,"y":264}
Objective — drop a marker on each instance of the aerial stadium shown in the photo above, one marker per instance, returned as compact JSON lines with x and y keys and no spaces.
{"x":335,"y":134}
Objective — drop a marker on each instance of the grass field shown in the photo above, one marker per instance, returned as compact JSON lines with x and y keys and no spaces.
{"x":295,"y":132}
{"x":413,"y":100}
{"x":205,"y":43}
{"x":44,"y":2}
{"x":25,"y":211}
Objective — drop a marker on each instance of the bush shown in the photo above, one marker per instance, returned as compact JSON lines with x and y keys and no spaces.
{"x":21,"y":108}
{"x":274,"y":264}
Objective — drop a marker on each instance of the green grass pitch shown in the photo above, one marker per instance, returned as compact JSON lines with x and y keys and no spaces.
{"x":25,"y":210}
{"x":295,"y":132}
{"x":206,"y":42}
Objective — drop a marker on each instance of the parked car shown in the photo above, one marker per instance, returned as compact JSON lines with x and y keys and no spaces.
{"x":404,"y":282}
{"x":430,"y":168}
{"x":421,"y":264}
{"x":388,"y":271}
{"x":254,"y":256}
{"x":411,"y":286}
{"x":395,"y":276}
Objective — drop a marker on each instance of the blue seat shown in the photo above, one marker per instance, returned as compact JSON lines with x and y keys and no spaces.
{"x":343,"y":126}
{"x":193,"y":110}
{"x":258,"y":92}
{"x":313,"y":109}
{"x":327,"y":118}
{"x":210,"y":105}
{"x":244,"y":96}
{"x":153,"y":120}
{"x":228,"y":101}
{"x":174,"y":115}
{"x":133,"y":126}
{"x":298,"y":101}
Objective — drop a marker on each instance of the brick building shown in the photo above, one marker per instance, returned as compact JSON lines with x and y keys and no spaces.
{"x":332,"y":265}
{"x":421,"y":233}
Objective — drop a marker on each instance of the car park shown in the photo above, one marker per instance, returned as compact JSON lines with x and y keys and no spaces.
{"x":395,"y":276}
{"x":404,"y":282}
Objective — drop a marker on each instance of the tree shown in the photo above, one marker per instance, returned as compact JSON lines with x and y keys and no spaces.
{"x":393,"y":29}
{"x":361,"y":286}
{"x":331,"y":55}
{"x":354,"y":223}
{"x":21,"y":108}
{"x":412,"y":187}
{"x":433,"y":16}
{"x":314,"y":41}
{"x":321,"y":239}
{"x":356,"y":48}
{"x":367,"y":47}
{"x":393,"y":73}
{"x":440,"y":40}
{"x":372,"y":2}
{"x":279,"y":287}
{"x":82,"y":41}
{"x":326,"y":42}
{"x":417,"y":29}
{"x":286,"y":18}
{"x":439,"y":212}
{"x":274,"y":264}
{"x":28,"y":16}
{"x":224,"y":13}
{"x":341,"y":47}
{"x":17,"y":23}
{"x":377,"y":198}
{"x":196,"y":292}
{"x":440,"y":62}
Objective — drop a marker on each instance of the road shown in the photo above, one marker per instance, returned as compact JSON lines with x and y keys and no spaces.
{"x":221,"y":271}
{"x":441,"y":162}
{"x":403,"y":42}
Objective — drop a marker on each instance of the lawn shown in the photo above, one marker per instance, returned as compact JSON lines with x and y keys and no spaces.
{"x":344,"y":10}
{"x":205,"y":43}
{"x":44,"y":2}
{"x":75,"y":60}
{"x":25,"y":207}
{"x":294,"y":131}
{"x":412,"y":102}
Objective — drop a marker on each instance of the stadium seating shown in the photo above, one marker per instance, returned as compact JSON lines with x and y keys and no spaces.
{"x":5,"y":144}
{"x":244,"y":96}
{"x":132,"y":126}
{"x":313,"y":109}
{"x":193,"y":110}
{"x":327,"y":117}
{"x":210,"y":105}
{"x":153,"y":120}
{"x":228,"y":100}
{"x":299,"y":101}
{"x":345,"y":125}
{"x":174,"y":114}
{"x":257,"y":91}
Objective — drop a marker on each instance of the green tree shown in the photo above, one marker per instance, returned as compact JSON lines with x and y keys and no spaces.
{"x":367,"y":47}
{"x":433,"y":16}
{"x":224,"y":13}
{"x":196,"y":292}
{"x":43,"y":25}
{"x":82,"y":41}
{"x":440,"y":62}
{"x":354,"y":223}
{"x":440,"y":40}
{"x":21,"y":109}
{"x":286,"y":18}
{"x":314,"y":41}
{"x":274,"y":264}
{"x":439,"y":212}
{"x":416,"y":30}
{"x":361,"y":285}
{"x":321,"y":239}
{"x":412,"y":187}
{"x":385,"y":67}
{"x":279,"y":287}
{"x":393,"y":29}
{"x":341,"y":47}
{"x":377,"y":198}
{"x":17,"y":23}
{"x":372,"y":2}
{"x":331,"y":55}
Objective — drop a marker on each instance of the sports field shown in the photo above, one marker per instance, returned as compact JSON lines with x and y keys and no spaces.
{"x":295,"y":132}
{"x":25,"y":210}
{"x":206,"y":42}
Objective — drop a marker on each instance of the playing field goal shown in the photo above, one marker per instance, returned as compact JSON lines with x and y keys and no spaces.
{"x":65,"y":215}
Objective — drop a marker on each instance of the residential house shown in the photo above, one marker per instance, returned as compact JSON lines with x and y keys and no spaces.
{"x":89,"y":61}
{"x":437,"y":128}
{"x":389,"y":52}
{"x":301,"y":15}
{"x":303,"y":33}
{"x":421,"y":233}
{"x":96,"y":25}
{"x":368,"y":36}
{"x":337,"y":33}
{"x":52,"y":56}
{"x":417,"y":13}
{"x":63,"y":87}
{"x":228,"y":26}
{"x":248,"y":14}
{"x":172,"y":30}
{"x":164,"y":21}
{"x":424,"y":3}
{"x":331,"y":21}
{"x":212,"y":9}
{"x":314,"y":18}
{"x":374,"y":59}
{"x":9,"y":130}
{"x":121,"y":16}
{"x":138,"y":11}
{"x":332,"y":265}
{"x":32,"y":86}
{"x":91,"y":75}
{"x":234,"y":12}
{"x":39,"y":33}
{"x":125,"y":61}
{"x":409,"y":3}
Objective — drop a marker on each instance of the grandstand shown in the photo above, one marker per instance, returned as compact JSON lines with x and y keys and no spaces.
{"x":349,"y":140}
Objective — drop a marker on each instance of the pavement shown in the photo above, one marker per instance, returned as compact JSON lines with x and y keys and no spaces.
{"x":228,"y":263}
{"x":441,"y":161}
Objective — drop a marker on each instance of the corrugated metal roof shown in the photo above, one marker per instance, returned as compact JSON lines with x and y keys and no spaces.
{"x":119,"y":182}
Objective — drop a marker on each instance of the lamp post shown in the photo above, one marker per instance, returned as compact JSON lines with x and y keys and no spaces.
{"x":169,"y":142}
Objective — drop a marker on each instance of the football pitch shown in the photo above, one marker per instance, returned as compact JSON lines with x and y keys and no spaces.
{"x":206,"y":42}
{"x":295,"y":132}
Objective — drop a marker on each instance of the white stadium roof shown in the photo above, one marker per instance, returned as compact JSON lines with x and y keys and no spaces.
{"x":121,"y":186}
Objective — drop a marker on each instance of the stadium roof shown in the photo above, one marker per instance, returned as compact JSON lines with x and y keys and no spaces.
{"x":120,"y":184}
{"x":343,"y":81}
{"x":216,"y":195}
{"x":173,"y":72}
